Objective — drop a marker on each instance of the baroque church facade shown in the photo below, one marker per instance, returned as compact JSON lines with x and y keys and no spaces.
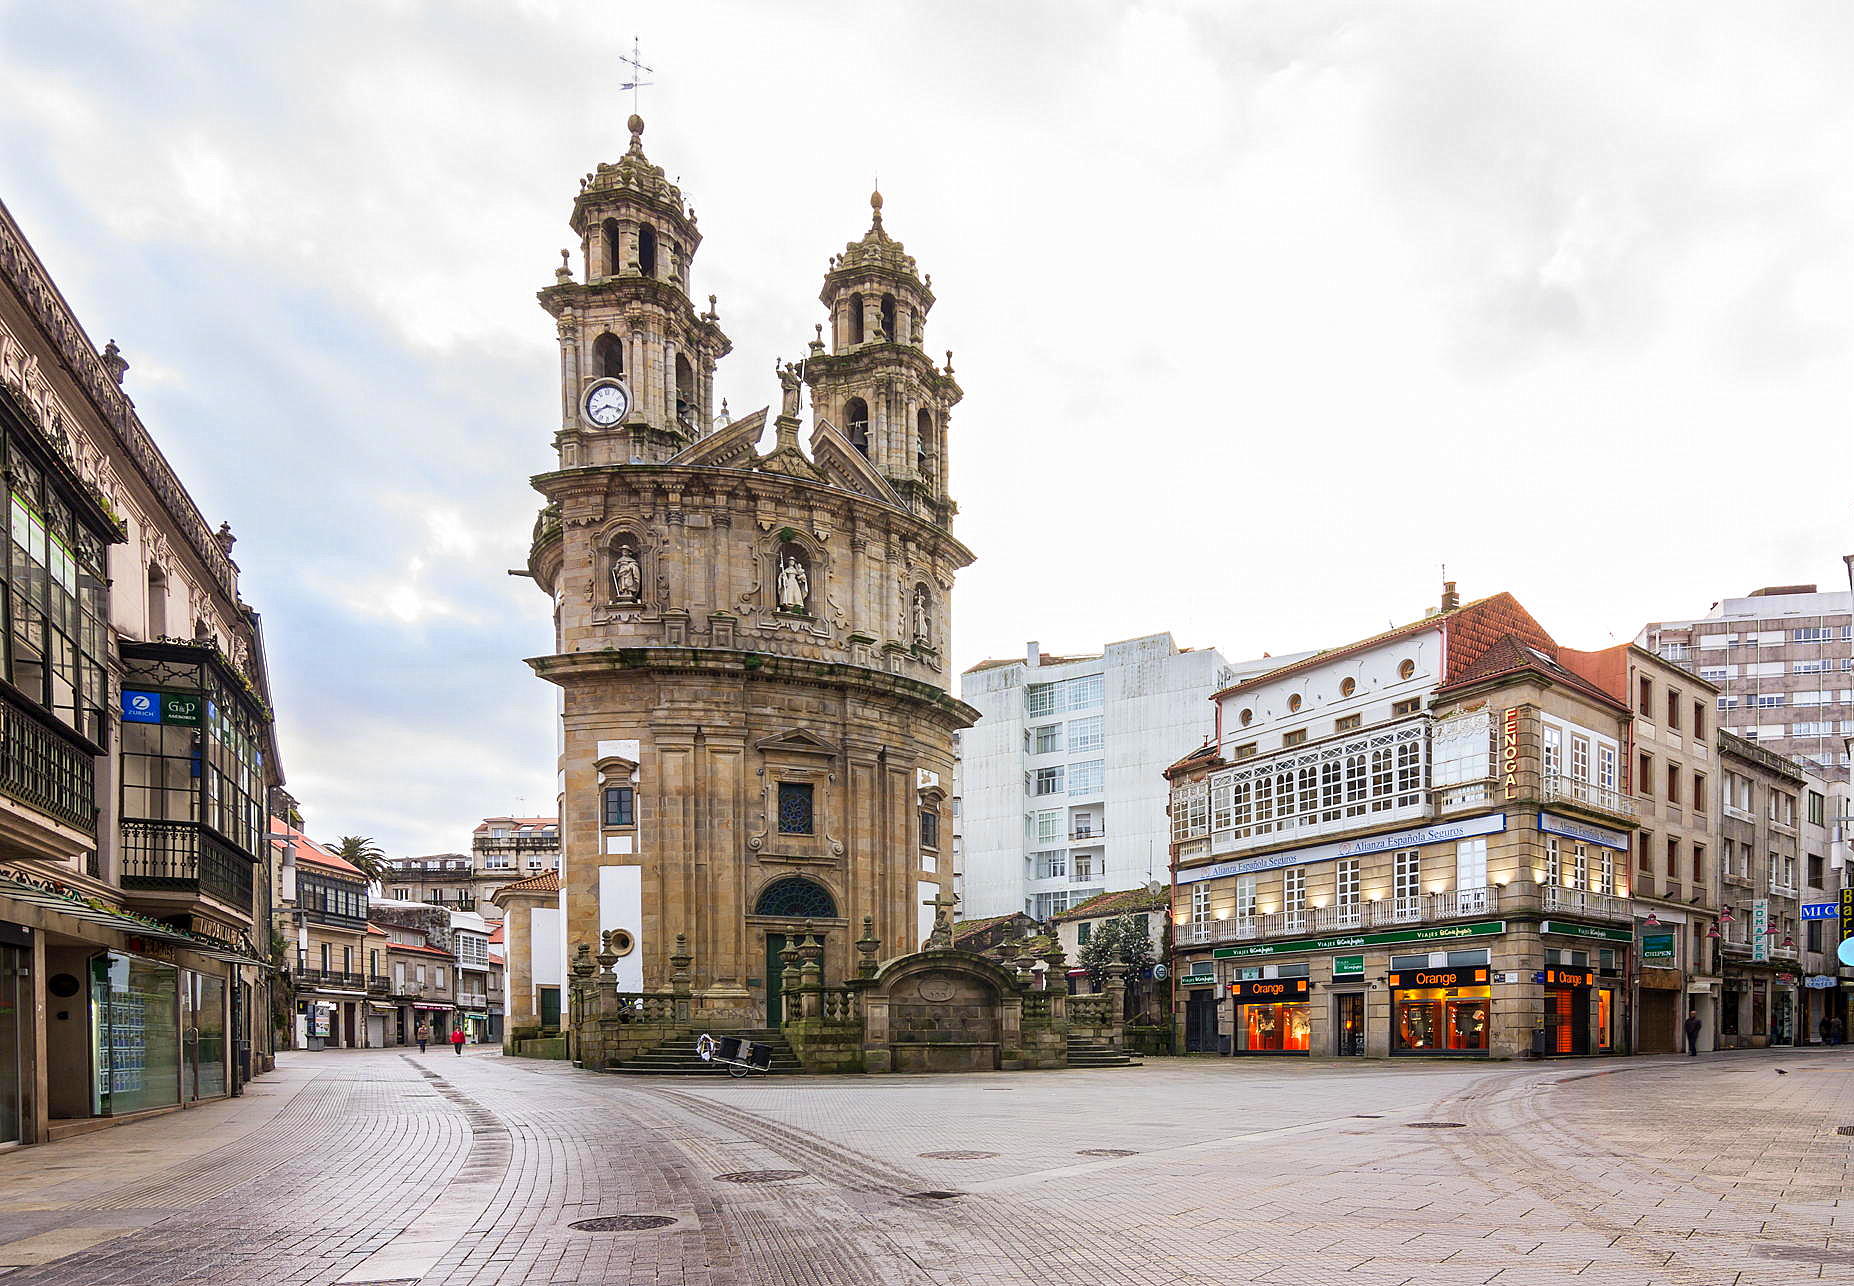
{"x":750,"y":648}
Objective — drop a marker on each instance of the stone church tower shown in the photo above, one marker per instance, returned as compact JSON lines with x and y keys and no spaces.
{"x":751,"y":649}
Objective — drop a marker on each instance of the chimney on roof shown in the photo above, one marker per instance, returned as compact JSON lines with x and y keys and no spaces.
{"x":1033,"y":652}
{"x":1450,"y":599}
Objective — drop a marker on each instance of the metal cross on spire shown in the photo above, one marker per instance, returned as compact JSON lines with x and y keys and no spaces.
{"x":638,"y":72}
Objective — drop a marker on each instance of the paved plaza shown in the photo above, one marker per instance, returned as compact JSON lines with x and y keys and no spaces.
{"x":381,"y":1167}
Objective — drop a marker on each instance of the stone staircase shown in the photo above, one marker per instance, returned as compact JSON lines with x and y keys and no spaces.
{"x":1086,"y":1051}
{"x":678,"y":1058}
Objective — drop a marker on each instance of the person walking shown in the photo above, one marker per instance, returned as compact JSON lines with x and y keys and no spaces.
{"x":1836,"y":1029}
{"x":424,"y":1034}
{"x":1692,"y":1028}
{"x":1825,"y":1028}
{"x":457,"y":1040}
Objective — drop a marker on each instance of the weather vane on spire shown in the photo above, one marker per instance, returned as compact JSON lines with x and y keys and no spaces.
{"x":638,"y":72}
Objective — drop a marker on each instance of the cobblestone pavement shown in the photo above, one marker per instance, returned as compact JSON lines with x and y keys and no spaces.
{"x":377,"y":1167}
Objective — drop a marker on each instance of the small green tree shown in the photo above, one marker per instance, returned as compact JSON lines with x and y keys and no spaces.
{"x":363,"y":855}
{"x":1123,"y":940}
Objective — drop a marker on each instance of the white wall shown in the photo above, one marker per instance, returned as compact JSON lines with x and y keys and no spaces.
{"x":547,"y":943}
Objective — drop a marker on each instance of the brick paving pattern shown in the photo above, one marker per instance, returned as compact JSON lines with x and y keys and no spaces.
{"x":379,"y":1167}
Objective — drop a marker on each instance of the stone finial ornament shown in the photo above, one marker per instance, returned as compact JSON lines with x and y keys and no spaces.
{"x":225,"y":538}
{"x":114,"y":362}
{"x":565,"y":271}
{"x":636,"y":126}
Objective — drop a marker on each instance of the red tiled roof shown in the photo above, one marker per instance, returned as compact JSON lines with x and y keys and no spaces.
{"x":307,"y":850}
{"x":1122,"y":902}
{"x":1511,"y":656}
{"x":545,"y":882}
{"x":1203,"y":757}
{"x":376,"y":930}
{"x":495,"y":935}
{"x":420,"y":950}
{"x":487,"y":822}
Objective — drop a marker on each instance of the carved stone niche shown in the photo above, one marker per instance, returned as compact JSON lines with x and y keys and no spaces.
{"x":613,"y":575}
{"x":776,"y":548}
{"x":806,"y":763}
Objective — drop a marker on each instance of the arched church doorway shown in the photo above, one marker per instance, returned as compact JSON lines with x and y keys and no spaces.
{"x":792,"y":898}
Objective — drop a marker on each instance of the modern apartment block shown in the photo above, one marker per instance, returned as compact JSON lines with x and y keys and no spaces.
{"x":1783,"y":661}
{"x":1417,"y":843}
{"x":1061,"y":794}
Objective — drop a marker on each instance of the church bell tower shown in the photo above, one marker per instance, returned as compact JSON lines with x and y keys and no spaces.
{"x":637,"y":362}
{"x":874,"y":380}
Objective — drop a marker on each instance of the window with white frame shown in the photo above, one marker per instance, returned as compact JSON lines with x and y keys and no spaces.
{"x":1606,"y":872}
{"x":1782,"y":873}
{"x":1345,"y":883}
{"x":1580,"y":867}
{"x":1190,"y":810}
{"x":1606,"y":767}
{"x":1714,"y":673}
{"x":1086,"y":734}
{"x":1812,"y":634}
{"x":1081,"y":693}
{"x":1048,"y":826}
{"x":1554,"y":856}
{"x":1462,"y":748}
{"x":1052,"y":864}
{"x":1048,"y":739}
{"x":1407,"y":879}
{"x":1087,"y":777}
{"x":1553,"y":741}
{"x":1817,"y":666}
{"x":1471,"y":863}
{"x":1245,"y":899}
{"x":1294,"y":890}
{"x":1782,"y":808}
{"x":1580,"y":758}
{"x":1200,"y":903}
{"x":1049,"y":781}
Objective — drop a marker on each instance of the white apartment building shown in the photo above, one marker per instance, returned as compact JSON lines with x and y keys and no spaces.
{"x":1061,"y":792}
{"x":1783,"y":659}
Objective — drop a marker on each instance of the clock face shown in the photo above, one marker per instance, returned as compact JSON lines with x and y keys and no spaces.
{"x":607,"y":403}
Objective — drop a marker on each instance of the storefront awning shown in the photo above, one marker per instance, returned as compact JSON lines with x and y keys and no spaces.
{"x":379,"y":1008}
{"x":442,"y":1009}
{"x":68,"y":903}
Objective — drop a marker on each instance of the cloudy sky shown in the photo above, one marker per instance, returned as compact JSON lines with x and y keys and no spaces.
{"x":1264,"y":311}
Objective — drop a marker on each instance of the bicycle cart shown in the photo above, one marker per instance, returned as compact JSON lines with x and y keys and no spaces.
{"x":740,"y":1057}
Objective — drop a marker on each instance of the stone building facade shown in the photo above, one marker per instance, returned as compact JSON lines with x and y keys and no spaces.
{"x":756,"y":726}
{"x":1413,"y":844}
{"x":1762,"y":866}
{"x":136,"y":752}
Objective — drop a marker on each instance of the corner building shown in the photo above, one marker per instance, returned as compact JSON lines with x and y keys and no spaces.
{"x":756,"y":726}
{"x":1416,"y":844}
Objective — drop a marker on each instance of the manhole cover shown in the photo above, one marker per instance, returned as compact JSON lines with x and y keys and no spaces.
{"x":1366,"y":1116}
{"x":760,"y":1176}
{"x":958,"y":1156}
{"x":1106,"y":1152}
{"x":1844,"y":1129}
{"x":935,"y":1195}
{"x":622,"y":1223}
{"x":1436,"y":1125}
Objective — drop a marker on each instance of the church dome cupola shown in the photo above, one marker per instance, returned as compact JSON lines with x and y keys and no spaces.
{"x":633,"y":222}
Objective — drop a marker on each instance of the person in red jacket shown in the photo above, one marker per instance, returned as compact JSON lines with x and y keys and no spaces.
{"x":457,"y":1040}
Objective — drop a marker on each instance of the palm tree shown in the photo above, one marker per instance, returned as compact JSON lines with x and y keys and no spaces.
{"x":363,"y":855}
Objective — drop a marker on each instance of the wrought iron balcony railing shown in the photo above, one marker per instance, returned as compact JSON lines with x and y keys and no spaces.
{"x":164,"y":856}
{"x":1569,"y":790}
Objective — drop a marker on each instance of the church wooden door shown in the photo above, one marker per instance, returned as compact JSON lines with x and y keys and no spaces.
{"x":775,"y":943}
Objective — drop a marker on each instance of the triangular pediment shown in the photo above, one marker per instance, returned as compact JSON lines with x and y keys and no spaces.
{"x":791,"y":462}
{"x":797,"y":742}
{"x":844,"y":466}
{"x":731,"y":447}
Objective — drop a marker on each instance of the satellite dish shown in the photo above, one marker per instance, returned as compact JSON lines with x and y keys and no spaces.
{"x":1155,"y":887}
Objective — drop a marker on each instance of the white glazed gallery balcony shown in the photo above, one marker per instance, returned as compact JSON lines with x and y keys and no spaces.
{"x":1581,"y":902}
{"x":1355,"y":917}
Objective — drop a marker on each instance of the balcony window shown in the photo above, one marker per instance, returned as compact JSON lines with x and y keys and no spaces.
{"x":1407,"y":884}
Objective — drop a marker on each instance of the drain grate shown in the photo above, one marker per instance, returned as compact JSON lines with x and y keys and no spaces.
{"x":1106,"y":1152}
{"x":958,"y":1156}
{"x":1844,"y":1129}
{"x":760,"y":1176}
{"x":622,"y":1223}
{"x":1436,"y":1125}
{"x":935,"y":1194}
{"x":1367,"y":1116}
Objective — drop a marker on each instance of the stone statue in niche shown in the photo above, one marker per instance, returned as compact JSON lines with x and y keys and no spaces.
{"x":923,"y":620}
{"x":794,"y":584}
{"x":627,"y":577}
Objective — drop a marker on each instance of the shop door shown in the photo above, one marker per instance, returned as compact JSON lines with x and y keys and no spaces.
{"x":1201,"y":1021}
{"x":1567,"y":1020}
{"x":775,"y":1010}
{"x":203,"y":1045}
{"x":1659,"y":1022}
{"x":12,"y":992}
{"x":1349,"y":1024}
